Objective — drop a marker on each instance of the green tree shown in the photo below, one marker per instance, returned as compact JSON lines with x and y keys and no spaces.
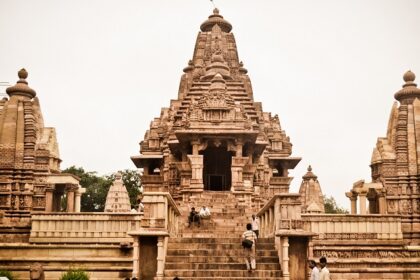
{"x":8,"y":274}
{"x":331,"y":206}
{"x":74,"y":274}
{"x":97,"y":187}
{"x":93,"y":200}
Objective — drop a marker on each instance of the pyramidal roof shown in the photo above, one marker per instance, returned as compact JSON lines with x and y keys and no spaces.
{"x":214,"y":80}
{"x":117,"y":199}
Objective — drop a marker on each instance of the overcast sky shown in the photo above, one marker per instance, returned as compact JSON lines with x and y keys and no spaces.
{"x":103,"y":69}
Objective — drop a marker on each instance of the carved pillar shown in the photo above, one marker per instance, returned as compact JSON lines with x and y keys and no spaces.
{"x":277,"y":215}
{"x":160,"y":258}
{"x":353,"y":202}
{"x":70,"y":198}
{"x":77,"y":201}
{"x":196,"y":162}
{"x":239,"y":146}
{"x":373,"y":202}
{"x":136,"y":254}
{"x":49,"y":199}
{"x":382,"y":203}
{"x":362,"y":205}
{"x":285,"y":258}
{"x":237,"y":168}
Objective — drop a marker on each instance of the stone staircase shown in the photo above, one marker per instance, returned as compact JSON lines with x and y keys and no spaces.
{"x":214,"y":251}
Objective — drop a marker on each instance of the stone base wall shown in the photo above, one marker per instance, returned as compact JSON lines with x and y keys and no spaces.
{"x":102,"y":262}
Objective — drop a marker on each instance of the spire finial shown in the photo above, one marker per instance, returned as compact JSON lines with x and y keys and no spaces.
{"x":309,"y":168}
{"x":409,"y":76}
{"x":21,"y":88}
{"x":214,"y":19}
{"x":409,"y":90}
{"x":23,"y":74}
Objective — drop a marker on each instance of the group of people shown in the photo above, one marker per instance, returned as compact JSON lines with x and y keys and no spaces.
{"x":316,"y":274}
{"x":196,"y":217}
{"x":251,"y":233}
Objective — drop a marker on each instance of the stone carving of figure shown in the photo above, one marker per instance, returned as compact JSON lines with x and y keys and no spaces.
{"x":36,"y":272}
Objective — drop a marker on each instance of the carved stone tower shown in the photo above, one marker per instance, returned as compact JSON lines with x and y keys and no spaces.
{"x":311,"y":193}
{"x":395,"y":165}
{"x":215,"y":137}
{"x":30,"y":178}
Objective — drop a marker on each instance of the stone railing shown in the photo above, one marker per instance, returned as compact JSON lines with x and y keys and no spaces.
{"x":160,"y":212}
{"x":352,"y":227}
{"x":83,"y":227}
{"x":160,"y":220}
{"x":282,"y":212}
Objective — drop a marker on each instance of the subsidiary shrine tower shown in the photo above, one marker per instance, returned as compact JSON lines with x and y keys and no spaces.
{"x":214,"y":136}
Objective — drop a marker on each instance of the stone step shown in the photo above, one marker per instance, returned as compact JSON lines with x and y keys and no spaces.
{"x":220,"y":266}
{"x":218,"y":259}
{"x":182,"y":273}
{"x":217,"y":240}
{"x":212,"y":252}
{"x":249,"y":277}
{"x":212,"y":246}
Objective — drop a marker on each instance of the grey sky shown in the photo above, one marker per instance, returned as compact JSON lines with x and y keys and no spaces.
{"x":103,"y":69}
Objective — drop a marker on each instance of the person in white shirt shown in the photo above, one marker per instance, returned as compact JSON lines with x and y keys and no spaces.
{"x":249,"y":253}
{"x":325,"y":273}
{"x":255,"y":222}
{"x":315,"y":270}
{"x":204,"y":212}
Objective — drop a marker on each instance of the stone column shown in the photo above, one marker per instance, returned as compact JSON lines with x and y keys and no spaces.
{"x":70,"y":199}
{"x":160,"y":258}
{"x":285,"y":258}
{"x":239,"y":146}
{"x":136,"y":254}
{"x":362,"y":196}
{"x":196,"y":182}
{"x":382,"y":203}
{"x":277,"y":215}
{"x":49,"y":199}
{"x":237,"y":168}
{"x":353,"y":202}
{"x":77,"y":202}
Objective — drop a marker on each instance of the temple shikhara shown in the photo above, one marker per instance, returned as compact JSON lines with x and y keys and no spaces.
{"x":212,"y":146}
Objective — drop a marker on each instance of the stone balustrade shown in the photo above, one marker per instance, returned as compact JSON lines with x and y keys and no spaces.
{"x":160,"y":220}
{"x":160,"y":212}
{"x":351,"y":227}
{"x":282,"y":212}
{"x":83,"y":227}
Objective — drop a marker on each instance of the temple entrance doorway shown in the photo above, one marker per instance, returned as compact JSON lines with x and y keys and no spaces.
{"x":217,"y":174}
{"x":298,"y":259}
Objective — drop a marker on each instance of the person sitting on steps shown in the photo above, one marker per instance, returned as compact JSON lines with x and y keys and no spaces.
{"x":194,"y":217}
{"x":204,"y":213}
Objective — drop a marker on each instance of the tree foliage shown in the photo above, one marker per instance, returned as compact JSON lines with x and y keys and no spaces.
{"x":97,"y":187}
{"x":74,"y":274}
{"x":8,"y":274}
{"x":331,"y":206}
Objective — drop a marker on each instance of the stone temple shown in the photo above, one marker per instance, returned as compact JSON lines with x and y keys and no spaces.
{"x":214,"y":146}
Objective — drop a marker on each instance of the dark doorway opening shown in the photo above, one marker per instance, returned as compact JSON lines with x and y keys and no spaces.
{"x":217,"y":173}
{"x":298,"y":259}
